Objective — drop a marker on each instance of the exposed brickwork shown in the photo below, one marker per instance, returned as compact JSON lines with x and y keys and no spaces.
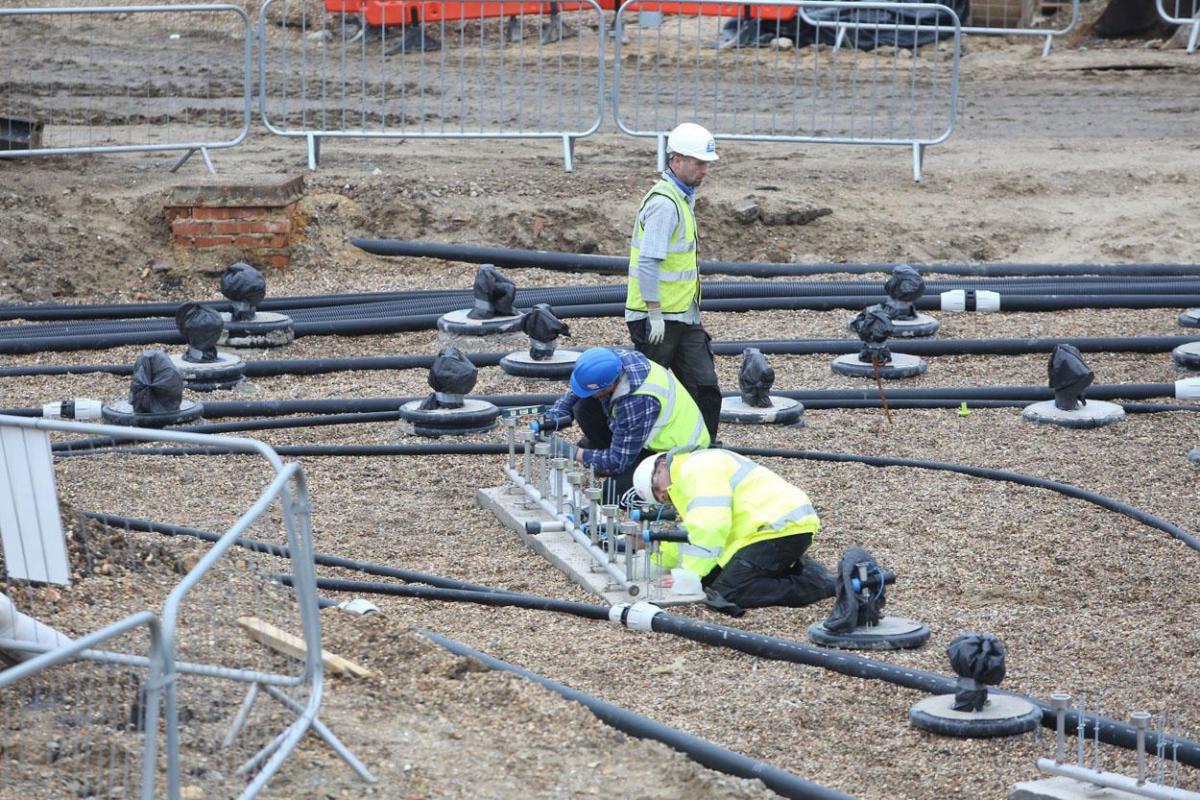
{"x":254,"y":217}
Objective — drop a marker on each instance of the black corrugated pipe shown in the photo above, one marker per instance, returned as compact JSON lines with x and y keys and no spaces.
{"x":699,"y":750}
{"x":366,"y":567}
{"x":1111,"y":731}
{"x":69,"y":311}
{"x":920,"y":347}
{"x":495,"y":597}
{"x":579,"y":262}
{"x":301,"y":450}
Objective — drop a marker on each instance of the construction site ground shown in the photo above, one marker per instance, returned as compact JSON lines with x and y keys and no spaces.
{"x":1088,"y":156}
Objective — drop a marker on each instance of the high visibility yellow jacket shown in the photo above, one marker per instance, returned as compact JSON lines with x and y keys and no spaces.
{"x":679,"y":423}
{"x":678,"y":276}
{"x":727,"y":502}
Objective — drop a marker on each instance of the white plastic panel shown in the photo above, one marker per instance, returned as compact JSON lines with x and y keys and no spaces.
{"x":31,"y":531}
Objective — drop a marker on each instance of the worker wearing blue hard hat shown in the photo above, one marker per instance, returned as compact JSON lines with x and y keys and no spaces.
{"x":627,"y":407}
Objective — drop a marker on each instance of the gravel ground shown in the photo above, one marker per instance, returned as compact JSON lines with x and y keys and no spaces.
{"x":1087,"y":600}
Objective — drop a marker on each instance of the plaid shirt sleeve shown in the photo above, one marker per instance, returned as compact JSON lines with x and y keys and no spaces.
{"x":564,"y":406}
{"x":633,"y":417}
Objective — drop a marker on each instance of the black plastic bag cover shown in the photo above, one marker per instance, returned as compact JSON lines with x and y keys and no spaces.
{"x":904,"y":287}
{"x":451,"y":375}
{"x":245,"y":287}
{"x":494,"y":294}
{"x":202,"y":327}
{"x":873,"y":324}
{"x":905,"y":284}
{"x":157,"y":386}
{"x":1069,"y":376}
{"x":755,"y":378}
{"x":541,"y":326}
{"x":980,"y":658}
{"x":853,"y":609}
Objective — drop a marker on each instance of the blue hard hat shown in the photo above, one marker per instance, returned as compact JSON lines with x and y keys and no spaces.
{"x":595,"y":370}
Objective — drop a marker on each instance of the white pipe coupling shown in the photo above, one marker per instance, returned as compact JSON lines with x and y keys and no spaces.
{"x":984,"y":302}
{"x":635,"y":616}
{"x":1187,"y":389}
{"x":23,"y":628}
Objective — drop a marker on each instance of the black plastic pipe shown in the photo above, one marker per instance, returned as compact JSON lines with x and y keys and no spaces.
{"x":1144,"y":517}
{"x":578,"y":262}
{"x":491,"y":598}
{"x":366,"y":567}
{"x":699,"y":750}
{"x":770,"y":647}
{"x":919,"y":347}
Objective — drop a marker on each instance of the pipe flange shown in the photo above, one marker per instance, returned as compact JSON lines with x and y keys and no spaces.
{"x":266,"y":329}
{"x":783,"y":411}
{"x":1194,"y":455}
{"x":121,"y":412}
{"x":1095,"y":414}
{"x":556,"y":368}
{"x":1001,"y":715}
{"x":458,"y":323}
{"x":1190,"y":318}
{"x":901,"y":366}
{"x":224,"y":373}
{"x":920,"y":325}
{"x":434,"y":432}
{"x":473,"y":413}
{"x":1187,"y":356}
{"x":892,"y":633}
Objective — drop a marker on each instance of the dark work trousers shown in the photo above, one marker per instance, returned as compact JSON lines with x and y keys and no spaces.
{"x":773,"y":573}
{"x":593,"y":422}
{"x":686,"y":350}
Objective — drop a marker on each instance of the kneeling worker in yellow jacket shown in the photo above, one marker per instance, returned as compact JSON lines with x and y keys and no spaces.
{"x":747,"y":529}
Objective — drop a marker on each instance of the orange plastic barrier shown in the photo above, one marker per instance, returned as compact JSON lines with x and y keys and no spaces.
{"x":344,"y":6}
{"x":780,"y":13}
{"x":693,"y":9}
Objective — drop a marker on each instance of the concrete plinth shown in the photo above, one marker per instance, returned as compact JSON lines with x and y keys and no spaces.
{"x":783,"y":411}
{"x":1093,"y":414}
{"x":1187,"y":356}
{"x":1059,"y":788}
{"x":902,"y":365}
{"x":460,"y":323}
{"x":514,"y":509}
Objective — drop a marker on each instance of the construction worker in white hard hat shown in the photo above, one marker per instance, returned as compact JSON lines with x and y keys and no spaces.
{"x":662,"y":306}
{"x":747,"y":528}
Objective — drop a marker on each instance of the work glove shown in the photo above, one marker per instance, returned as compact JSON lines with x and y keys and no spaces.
{"x":657,"y":327}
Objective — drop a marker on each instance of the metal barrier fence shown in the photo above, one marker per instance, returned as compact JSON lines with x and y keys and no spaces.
{"x":1177,"y":15}
{"x":502,"y":69}
{"x":115,"y":79}
{"x":683,"y":70}
{"x":997,"y":18}
{"x":238,"y":673}
{"x":988,"y":19}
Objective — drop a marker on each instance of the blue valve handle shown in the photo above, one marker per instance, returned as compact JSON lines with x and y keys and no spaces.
{"x":889,"y":577}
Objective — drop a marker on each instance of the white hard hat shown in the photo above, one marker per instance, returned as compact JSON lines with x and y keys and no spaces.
{"x":690,"y":139}
{"x":643,"y":478}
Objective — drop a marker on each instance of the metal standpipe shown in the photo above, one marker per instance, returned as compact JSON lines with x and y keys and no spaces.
{"x":597,"y":555}
{"x":1059,"y":701}
{"x":1112,"y":780}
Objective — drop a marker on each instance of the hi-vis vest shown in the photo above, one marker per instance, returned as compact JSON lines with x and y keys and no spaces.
{"x":678,"y":277}
{"x":679,"y":423}
{"x":727,"y":502}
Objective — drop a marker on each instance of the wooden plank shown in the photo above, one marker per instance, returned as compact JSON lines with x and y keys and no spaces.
{"x":281,"y":641}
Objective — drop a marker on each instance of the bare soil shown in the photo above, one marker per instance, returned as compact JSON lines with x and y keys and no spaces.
{"x":1088,"y":156}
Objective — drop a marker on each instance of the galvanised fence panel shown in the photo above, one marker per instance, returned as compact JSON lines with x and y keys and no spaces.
{"x":1182,"y":12}
{"x":422,"y":69}
{"x":759,"y":71}
{"x":124,"y":79}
